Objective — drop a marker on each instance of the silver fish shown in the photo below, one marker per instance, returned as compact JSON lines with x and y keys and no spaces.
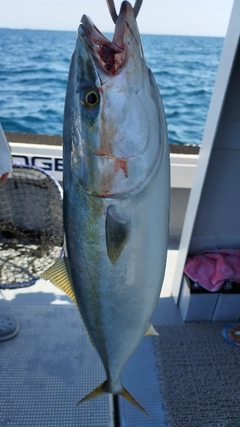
{"x":116,"y":193}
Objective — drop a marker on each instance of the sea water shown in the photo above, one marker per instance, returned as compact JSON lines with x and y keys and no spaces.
{"x":34,"y":68}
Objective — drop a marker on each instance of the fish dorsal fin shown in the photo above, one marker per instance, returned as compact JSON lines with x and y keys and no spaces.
{"x":117,"y":232}
{"x":151,"y":331}
{"x":59,"y":276}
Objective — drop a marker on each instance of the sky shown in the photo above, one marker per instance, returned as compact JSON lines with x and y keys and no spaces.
{"x":176,"y":17}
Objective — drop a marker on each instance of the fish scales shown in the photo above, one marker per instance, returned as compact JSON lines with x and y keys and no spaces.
{"x":116,"y":192}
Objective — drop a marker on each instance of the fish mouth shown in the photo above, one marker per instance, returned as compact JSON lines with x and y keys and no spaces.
{"x":110,"y":55}
{"x":125,"y":154}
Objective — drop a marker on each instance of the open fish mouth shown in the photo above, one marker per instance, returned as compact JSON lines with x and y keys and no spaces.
{"x":110,"y":55}
{"x":121,"y":123}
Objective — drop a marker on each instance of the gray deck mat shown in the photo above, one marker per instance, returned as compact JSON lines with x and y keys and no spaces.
{"x":140,"y":377}
{"x":199,"y":375}
{"x":47,"y":368}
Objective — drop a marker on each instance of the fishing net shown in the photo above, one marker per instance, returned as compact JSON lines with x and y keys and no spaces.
{"x":31,"y":226}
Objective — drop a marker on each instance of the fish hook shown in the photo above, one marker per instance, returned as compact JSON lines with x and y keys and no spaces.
{"x":113,"y":13}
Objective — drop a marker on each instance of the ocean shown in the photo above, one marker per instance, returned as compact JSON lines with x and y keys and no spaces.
{"x":34,"y":71}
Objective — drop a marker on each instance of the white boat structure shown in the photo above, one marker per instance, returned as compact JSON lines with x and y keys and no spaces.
{"x":45,"y":151}
{"x":205,"y":212}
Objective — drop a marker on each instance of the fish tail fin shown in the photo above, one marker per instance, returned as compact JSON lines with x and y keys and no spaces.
{"x":133,"y":401}
{"x":101,"y":389}
{"x":104,"y":388}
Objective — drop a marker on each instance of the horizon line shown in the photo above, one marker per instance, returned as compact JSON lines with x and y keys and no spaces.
{"x":111,"y":32}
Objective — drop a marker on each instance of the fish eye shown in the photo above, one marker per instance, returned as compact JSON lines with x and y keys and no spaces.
{"x":91,"y":98}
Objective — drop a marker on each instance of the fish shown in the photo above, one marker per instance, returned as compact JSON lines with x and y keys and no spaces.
{"x":116,"y":179}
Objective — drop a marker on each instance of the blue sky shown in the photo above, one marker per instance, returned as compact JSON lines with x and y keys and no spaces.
{"x":180,"y":17}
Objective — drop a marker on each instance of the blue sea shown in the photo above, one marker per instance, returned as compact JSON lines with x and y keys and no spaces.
{"x":34,"y":71}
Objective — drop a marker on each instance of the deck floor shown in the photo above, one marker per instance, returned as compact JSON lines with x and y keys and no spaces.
{"x":51,"y":364}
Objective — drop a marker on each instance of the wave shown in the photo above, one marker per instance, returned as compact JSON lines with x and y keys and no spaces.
{"x":34,"y":72}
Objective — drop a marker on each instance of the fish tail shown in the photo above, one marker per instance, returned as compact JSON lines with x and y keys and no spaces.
{"x":101,"y":389}
{"x":104,"y":388}
{"x":133,"y":401}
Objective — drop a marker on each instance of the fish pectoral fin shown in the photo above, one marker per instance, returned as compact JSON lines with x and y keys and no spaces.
{"x":101,"y":389}
{"x":59,"y":276}
{"x":131,"y":399}
{"x":151,"y":331}
{"x":117,"y":232}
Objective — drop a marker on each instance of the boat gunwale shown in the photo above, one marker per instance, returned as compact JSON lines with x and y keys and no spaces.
{"x":39,"y":139}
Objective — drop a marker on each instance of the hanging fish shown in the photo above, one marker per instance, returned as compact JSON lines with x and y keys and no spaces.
{"x":116,"y":193}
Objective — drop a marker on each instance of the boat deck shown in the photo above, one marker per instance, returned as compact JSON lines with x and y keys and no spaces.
{"x":51,"y":364}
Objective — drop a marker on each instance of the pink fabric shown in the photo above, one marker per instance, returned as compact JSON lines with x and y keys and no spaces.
{"x":212,"y":269}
